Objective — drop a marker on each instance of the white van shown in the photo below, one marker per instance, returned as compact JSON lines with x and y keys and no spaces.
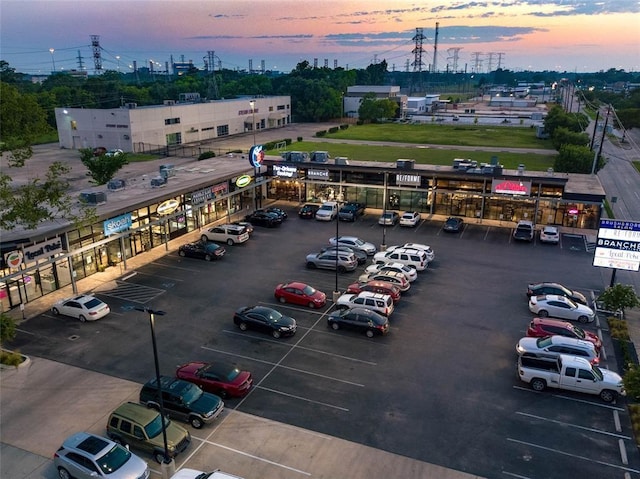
{"x":328,"y":211}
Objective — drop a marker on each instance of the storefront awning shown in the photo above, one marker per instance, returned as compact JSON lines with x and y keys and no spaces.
{"x":248,"y":120}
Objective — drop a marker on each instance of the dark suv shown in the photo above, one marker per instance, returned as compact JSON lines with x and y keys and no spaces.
{"x":351,"y":211}
{"x":138,"y":426}
{"x":182,"y":400}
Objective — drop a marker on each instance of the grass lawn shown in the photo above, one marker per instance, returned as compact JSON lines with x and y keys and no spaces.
{"x":438,"y":134}
{"x":427,"y":156}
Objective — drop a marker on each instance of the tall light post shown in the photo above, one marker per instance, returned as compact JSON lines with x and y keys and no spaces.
{"x":118,"y":58}
{"x":168,"y":465}
{"x":53,"y":60}
{"x":252,"y":104}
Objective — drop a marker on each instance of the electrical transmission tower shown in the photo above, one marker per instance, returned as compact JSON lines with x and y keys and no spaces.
{"x":80,"y":62}
{"x":454,"y":55}
{"x":477,"y":62}
{"x":500,"y":55}
{"x":97,"y":53}
{"x":212,"y":84}
{"x":418,"y":38}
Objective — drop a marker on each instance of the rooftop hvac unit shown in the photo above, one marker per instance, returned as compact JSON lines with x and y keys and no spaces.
{"x":405,"y":164}
{"x":93,"y":198}
{"x":169,"y":102}
{"x":131,"y":106}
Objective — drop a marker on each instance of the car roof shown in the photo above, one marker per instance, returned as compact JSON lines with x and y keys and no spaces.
{"x":555,"y":339}
{"x":295,"y":284}
{"x":553,"y":322}
{"x":371,"y":294}
{"x":136,"y":412}
{"x":89,"y":443}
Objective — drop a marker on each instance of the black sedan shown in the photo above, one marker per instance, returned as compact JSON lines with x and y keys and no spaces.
{"x":262,"y":218}
{"x":536,"y":289}
{"x":308,"y":211}
{"x":453,"y":224}
{"x":282,"y":214}
{"x":359,"y":319}
{"x":266,"y":320}
{"x":202,"y":250}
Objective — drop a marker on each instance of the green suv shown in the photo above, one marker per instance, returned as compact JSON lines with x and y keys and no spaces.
{"x":133,"y":424}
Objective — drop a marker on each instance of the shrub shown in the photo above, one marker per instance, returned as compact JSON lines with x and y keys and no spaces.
{"x":321,"y":133}
{"x":631,"y":381}
{"x":206,"y":154}
{"x":299,"y":138}
{"x":333,"y":129}
{"x":10,"y":358}
{"x":344,"y":126}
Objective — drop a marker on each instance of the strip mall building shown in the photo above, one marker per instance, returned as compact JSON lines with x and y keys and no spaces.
{"x":140,"y":216}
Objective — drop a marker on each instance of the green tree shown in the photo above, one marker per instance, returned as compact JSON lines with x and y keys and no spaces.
{"x":619,"y":297}
{"x":373,"y":109}
{"x":574,"y":159}
{"x":7,"y":328}
{"x":563,"y":136}
{"x":102,"y":168}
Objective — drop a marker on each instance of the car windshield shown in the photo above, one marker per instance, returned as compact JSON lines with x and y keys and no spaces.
{"x":114,"y":459}
{"x":544,"y":342}
{"x":94,"y":303}
{"x":155,"y":427}
{"x":308,"y":290}
{"x":578,"y":332}
{"x":191,"y":394}
{"x":598,"y":373}
{"x":274,"y":316}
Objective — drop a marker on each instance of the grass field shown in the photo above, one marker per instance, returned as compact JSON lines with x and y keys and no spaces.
{"x":424,"y":141}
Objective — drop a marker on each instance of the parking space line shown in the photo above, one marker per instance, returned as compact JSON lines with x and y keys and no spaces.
{"x":562,"y":423}
{"x":567,"y":398}
{"x":575,"y":456}
{"x":172,"y":278}
{"x":286,"y":367}
{"x":289,"y":468}
{"x":355,"y":360}
{"x":275,"y":391}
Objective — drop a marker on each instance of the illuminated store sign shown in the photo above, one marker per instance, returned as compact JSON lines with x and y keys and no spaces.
{"x":285,"y":171}
{"x":243,"y":181}
{"x":618,"y":245}
{"x":118,"y":224}
{"x":411,"y":180}
{"x":168,"y":207}
{"x":256,"y":156}
{"x":318,"y":174}
{"x":45,"y":249}
{"x":510,"y":187}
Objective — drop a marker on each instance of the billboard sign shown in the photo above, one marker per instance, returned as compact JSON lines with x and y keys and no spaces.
{"x":618,"y":245}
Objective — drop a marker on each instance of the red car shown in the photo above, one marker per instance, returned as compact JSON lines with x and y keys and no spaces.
{"x":222,"y":379}
{"x":541,"y":327}
{"x":382,"y":287}
{"x":300,"y":293}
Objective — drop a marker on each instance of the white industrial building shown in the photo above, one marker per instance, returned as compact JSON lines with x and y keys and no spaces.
{"x":134,"y":128}
{"x":353,"y":98}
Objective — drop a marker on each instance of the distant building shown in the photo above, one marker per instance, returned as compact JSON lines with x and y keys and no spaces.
{"x":353,"y":98}
{"x":135,"y":129}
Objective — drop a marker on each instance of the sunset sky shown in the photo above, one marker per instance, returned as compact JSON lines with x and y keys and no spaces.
{"x":562,"y":35}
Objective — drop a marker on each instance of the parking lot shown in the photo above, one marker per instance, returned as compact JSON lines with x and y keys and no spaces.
{"x":441,"y":387}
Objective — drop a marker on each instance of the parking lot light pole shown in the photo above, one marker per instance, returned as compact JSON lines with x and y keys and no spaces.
{"x":252,"y":103}
{"x":336,"y":292}
{"x":168,"y":465}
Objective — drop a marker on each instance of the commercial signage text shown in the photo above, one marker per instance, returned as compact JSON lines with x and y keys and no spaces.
{"x":117,"y":224}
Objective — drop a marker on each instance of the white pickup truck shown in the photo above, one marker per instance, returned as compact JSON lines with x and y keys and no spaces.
{"x":571,"y":373}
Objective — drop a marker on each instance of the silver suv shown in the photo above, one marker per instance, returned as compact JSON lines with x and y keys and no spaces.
{"x":87,"y":456}
{"x":230,"y":234}
{"x":332,"y":259}
{"x":380,"y":303}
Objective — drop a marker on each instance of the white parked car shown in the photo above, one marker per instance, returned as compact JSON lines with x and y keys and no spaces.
{"x":560,"y":307}
{"x":83,"y":307}
{"x":409,"y":256}
{"x":410,"y":218}
{"x":409,"y":271}
{"x":431,"y":255}
{"x":558,"y":345}
{"x":380,"y":303}
{"x":230,"y":234}
{"x":354,"y":243}
{"x":328,"y":211}
{"x":549,"y":234}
